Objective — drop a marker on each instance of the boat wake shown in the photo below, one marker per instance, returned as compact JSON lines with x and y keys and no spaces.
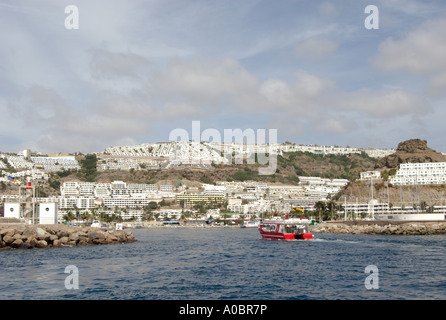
{"x":335,"y":240}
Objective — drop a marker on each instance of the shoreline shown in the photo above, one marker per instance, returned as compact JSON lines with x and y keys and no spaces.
{"x":22,"y":236}
{"x":382,"y":227}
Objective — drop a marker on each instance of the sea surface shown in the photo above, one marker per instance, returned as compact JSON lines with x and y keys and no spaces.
{"x":231,"y":263}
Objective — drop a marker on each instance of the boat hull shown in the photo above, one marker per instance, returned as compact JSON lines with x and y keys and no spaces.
{"x":280,"y":230}
{"x":287,"y":236}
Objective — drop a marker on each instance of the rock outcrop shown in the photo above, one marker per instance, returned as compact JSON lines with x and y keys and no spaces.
{"x":413,"y":150}
{"x":21,"y":236}
{"x":415,"y":228}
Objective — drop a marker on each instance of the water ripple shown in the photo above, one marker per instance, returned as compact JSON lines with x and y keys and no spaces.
{"x":231,"y":264}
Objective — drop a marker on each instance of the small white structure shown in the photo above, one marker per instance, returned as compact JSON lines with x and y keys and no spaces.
{"x":48,"y":213}
{"x":367,"y":175}
{"x":12,"y":210}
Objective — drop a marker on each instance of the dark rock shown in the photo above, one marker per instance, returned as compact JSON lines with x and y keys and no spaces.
{"x":413,"y":150}
{"x":16,"y":243}
{"x":64,"y":240}
{"x":43,"y":236}
{"x":41,"y":244}
{"x":96,"y":235}
{"x":8,"y":239}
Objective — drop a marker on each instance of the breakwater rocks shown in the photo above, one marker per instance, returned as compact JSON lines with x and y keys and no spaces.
{"x":21,"y":236}
{"x":373,"y":227}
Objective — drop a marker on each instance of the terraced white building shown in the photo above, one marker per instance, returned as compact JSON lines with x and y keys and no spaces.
{"x":420,"y":173}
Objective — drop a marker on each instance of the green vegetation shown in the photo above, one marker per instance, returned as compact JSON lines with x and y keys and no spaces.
{"x":88,"y":171}
{"x":246,"y":174}
{"x":65,"y":173}
{"x":207,"y":180}
{"x":386,"y":174}
{"x":54,"y":183}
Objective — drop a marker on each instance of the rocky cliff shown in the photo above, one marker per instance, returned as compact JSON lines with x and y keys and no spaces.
{"x":413,"y":150}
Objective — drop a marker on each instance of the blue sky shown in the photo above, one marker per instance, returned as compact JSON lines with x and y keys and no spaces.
{"x":136,"y":70}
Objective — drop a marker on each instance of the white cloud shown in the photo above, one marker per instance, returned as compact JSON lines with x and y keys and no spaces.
{"x":202,"y":87}
{"x":334,"y":124}
{"x":305,"y":95}
{"x":421,"y":52}
{"x":384,"y":104}
{"x":327,"y":8}
{"x":315,"y":48}
{"x":133,"y":67}
{"x":106,"y":65}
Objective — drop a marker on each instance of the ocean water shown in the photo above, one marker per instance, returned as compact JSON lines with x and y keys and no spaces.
{"x":233,"y":264}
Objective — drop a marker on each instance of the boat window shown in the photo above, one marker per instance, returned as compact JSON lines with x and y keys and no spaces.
{"x":269,"y":227}
{"x":296,"y":228}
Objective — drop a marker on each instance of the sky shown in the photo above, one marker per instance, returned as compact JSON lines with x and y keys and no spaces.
{"x":134,"y":71}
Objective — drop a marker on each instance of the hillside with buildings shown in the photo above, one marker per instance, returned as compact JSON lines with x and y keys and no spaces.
{"x":182,"y":179}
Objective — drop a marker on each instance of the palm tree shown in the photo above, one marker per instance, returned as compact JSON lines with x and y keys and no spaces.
{"x":85,"y":215}
{"x":69,"y":216}
{"x":331,"y":206}
{"x":320,"y":208}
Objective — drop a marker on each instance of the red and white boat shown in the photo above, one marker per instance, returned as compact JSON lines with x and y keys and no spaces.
{"x":288,"y":228}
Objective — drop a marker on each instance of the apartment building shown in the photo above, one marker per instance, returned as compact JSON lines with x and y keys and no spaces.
{"x":166,"y":187}
{"x":64,"y":203}
{"x":366,"y":210}
{"x":86,"y":188}
{"x":194,"y":198}
{"x":70,"y":189}
{"x":102,"y":190}
{"x":420,"y":173}
{"x":125,"y":202}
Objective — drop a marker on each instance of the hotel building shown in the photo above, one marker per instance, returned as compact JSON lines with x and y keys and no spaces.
{"x":420,"y":173}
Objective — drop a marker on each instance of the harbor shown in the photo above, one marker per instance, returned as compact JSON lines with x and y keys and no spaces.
{"x":231,"y":263}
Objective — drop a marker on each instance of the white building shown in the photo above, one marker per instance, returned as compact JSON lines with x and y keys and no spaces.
{"x":166,"y":187}
{"x":367,"y":175}
{"x":211,"y":189}
{"x":126,"y":202}
{"x":69,"y":189}
{"x":366,"y":210}
{"x":48,"y":213}
{"x":76,"y":202}
{"x":420,"y":173}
